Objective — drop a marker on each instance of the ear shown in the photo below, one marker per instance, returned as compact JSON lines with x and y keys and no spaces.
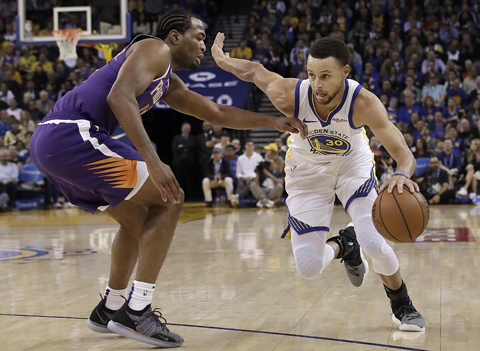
{"x":346,"y":71}
{"x":175,"y":37}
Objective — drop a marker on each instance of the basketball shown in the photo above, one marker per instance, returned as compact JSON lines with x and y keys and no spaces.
{"x":400,"y":218}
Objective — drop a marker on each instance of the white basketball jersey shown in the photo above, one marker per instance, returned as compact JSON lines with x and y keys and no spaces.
{"x":331,"y":140}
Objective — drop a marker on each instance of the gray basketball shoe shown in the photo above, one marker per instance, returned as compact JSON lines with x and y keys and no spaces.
{"x":351,"y":255}
{"x":146,"y":326}
{"x":408,"y":318}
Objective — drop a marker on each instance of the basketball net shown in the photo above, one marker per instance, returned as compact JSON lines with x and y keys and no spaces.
{"x":67,"y":40}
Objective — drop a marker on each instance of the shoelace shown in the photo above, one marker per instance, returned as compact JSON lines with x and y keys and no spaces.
{"x":157,"y":315}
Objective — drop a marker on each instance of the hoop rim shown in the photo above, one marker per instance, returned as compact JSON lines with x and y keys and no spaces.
{"x":70,"y":35}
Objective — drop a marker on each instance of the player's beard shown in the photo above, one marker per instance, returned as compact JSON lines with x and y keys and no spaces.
{"x":330,"y":98}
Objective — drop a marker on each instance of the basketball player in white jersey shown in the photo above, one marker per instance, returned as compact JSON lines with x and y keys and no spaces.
{"x":335,"y":159}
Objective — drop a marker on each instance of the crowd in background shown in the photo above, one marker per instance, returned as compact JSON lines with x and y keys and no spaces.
{"x":420,"y":58}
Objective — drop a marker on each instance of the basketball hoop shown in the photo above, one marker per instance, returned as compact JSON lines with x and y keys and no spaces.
{"x":67,"y":40}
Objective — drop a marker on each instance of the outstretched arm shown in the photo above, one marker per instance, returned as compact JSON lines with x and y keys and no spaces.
{"x":368,"y":109}
{"x":280,"y":91}
{"x":186,"y":101}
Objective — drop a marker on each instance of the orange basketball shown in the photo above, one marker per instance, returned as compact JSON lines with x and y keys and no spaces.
{"x":400,"y":217}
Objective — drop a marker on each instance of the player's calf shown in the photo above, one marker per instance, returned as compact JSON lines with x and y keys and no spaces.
{"x":309,"y":263}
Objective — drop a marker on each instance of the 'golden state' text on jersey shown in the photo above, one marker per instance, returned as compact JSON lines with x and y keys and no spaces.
{"x":329,"y":140}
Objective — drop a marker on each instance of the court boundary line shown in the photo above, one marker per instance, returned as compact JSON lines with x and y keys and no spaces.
{"x":241,"y":330}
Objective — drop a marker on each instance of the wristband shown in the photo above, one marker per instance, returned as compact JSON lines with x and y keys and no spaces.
{"x":400,"y":174}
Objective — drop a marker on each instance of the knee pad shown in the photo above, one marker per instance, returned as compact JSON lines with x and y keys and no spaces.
{"x":309,"y":263}
{"x":383,"y":258}
{"x":369,"y":238}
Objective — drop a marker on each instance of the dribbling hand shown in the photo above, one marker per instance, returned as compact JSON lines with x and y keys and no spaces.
{"x":399,"y":181}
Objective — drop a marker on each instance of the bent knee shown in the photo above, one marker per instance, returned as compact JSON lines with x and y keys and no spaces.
{"x":470,"y":168}
{"x":309,"y":263}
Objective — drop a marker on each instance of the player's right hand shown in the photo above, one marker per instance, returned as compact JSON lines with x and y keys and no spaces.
{"x":217,"y":48}
{"x":164,"y":179}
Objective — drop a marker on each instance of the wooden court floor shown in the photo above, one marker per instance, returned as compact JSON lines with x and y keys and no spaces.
{"x":229,"y":283}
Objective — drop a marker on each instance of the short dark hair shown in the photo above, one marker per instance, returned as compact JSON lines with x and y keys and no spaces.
{"x":229,"y":146}
{"x":330,"y":47}
{"x":180,"y":20}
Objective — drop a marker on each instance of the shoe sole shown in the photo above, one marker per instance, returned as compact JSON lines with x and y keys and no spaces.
{"x":407,"y":327}
{"x":132,"y":334}
{"x":97,"y":328}
{"x":365,"y":263}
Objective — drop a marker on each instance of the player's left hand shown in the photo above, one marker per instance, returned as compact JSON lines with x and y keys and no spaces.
{"x":292,"y":125}
{"x":217,"y":49}
{"x":399,"y":181}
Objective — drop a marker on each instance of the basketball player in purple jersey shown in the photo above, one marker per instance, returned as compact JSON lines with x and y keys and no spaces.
{"x":73,"y":148}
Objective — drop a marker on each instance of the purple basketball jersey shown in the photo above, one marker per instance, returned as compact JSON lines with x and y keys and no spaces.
{"x":90,"y":97}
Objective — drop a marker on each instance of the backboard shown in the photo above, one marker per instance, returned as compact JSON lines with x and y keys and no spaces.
{"x":101,"y":21}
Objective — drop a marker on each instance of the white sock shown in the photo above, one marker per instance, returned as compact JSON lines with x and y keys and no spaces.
{"x":114,"y":299}
{"x":141,"y":295}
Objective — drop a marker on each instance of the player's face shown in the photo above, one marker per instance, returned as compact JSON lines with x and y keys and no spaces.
{"x":326,"y":77}
{"x":193,"y":47}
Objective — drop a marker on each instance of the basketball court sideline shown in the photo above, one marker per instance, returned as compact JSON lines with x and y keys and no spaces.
{"x":230,"y":283}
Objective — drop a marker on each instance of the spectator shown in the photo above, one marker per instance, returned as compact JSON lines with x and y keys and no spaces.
{"x":421,"y":148}
{"x":26,"y":122}
{"x":450,"y":161}
{"x":472,"y":171}
{"x":141,"y":25}
{"x":450,"y":112}
{"x":238,"y":147}
{"x":5,"y":94}
{"x":475,"y":93}
{"x":438,"y":64}
{"x":44,"y":104}
{"x":427,"y":113}
{"x":14,"y":134}
{"x":27,"y":58}
{"x":436,"y":91}
{"x":260,"y":53}
{"x":204,"y":151}
{"x":8,"y":177}
{"x":267,"y":186}
{"x":35,"y":114}
{"x":438,"y":125}
{"x":466,"y":133}
{"x":409,"y":140}
{"x":217,"y":174}
{"x":4,"y":123}
{"x":429,"y":137}
{"x":388,"y":90}
{"x":282,"y":149}
{"x":410,"y":87}
{"x":475,"y":112}
{"x":405,"y":112}
{"x":434,"y":184}
{"x":242,"y":51}
{"x":272,"y":156}
{"x":392,"y":110}
{"x":42,"y":61}
{"x":232,"y":158}
{"x":183,"y":147}
{"x":14,"y":110}
{"x":457,"y":93}
{"x":223,"y":142}
{"x":469,"y":82}
{"x":246,"y":165}
{"x":298,"y":58}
